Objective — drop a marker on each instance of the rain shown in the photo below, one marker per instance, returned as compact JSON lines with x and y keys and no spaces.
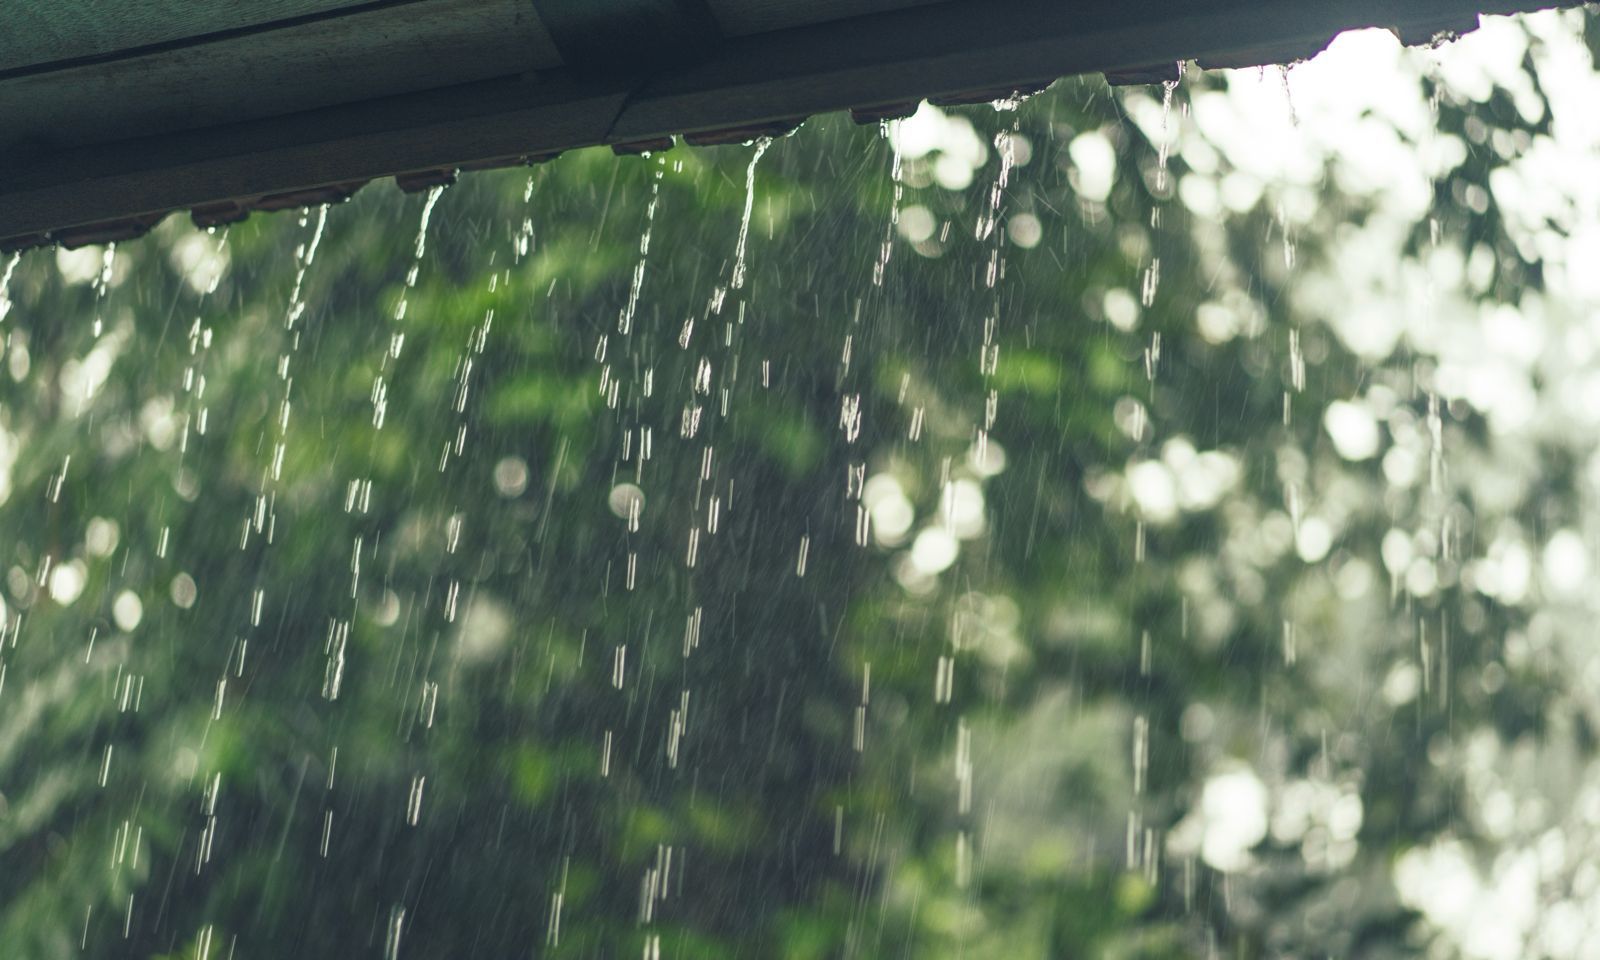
{"x":1147,"y":520}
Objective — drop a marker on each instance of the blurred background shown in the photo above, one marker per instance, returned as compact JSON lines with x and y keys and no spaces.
{"x":1155,"y":522}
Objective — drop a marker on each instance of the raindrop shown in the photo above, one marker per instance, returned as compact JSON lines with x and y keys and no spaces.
{"x":5,"y":284}
{"x":762,"y":144}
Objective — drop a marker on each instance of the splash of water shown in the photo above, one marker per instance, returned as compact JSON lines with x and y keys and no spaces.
{"x":1288,"y":94}
{"x":891,"y":132}
{"x":749,"y":205}
{"x":305,"y":256}
{"x":5,"y":284}
{"x":625,"y":317}
{"x":1005,"y":146}
{"x":523,"y":241}
{"x":1164,"y":151}
{"x":102,"y":283}
{"x":397,"y":339}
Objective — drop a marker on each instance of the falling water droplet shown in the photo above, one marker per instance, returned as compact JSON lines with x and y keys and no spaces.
{"x":1164,"y":149}
{"x":1152,"y":281}
{"x":738,"y":279}
{"x":396,"y":927}
{"x":890,"y":131}
{"x":5,"y":284}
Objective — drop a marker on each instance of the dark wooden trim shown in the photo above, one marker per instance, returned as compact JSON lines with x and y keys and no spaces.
{"x":241,"y":28}
{"x":628,"y":35}
{"x":883,"y":59}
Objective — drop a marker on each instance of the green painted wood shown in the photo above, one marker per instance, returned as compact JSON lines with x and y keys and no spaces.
{"x":35,"y":32}
{"x":372,"y":53}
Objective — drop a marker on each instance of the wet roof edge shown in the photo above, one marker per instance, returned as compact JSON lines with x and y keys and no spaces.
{"x":978,"y":47}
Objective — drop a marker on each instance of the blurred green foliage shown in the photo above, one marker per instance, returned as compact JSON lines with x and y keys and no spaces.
{"x":678,"y":765}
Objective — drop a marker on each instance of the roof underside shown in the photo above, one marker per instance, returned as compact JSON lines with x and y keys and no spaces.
{"x":113,"y":119}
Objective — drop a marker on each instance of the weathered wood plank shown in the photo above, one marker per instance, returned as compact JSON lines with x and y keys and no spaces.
{"x":373,"y":53}
{"x":34,"y":32}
